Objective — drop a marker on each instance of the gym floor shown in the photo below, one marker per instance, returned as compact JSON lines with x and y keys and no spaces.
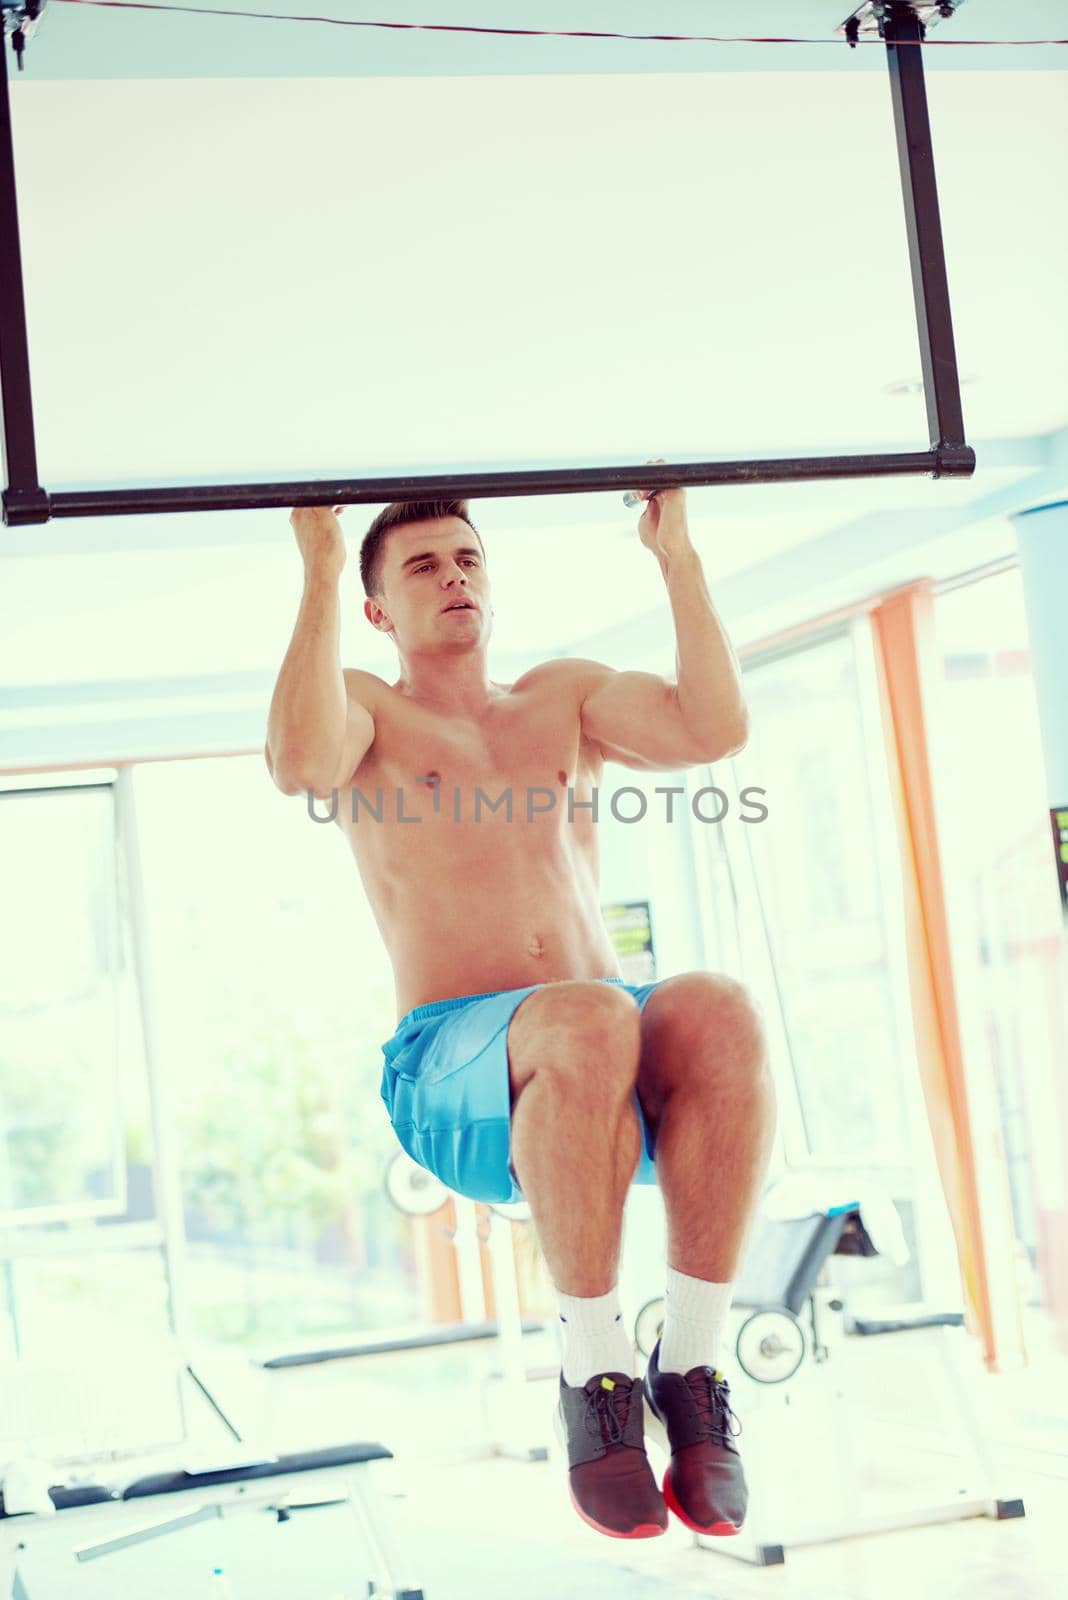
{"x":478,"y":1525}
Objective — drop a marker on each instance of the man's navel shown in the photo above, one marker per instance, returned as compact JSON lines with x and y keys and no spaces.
{"x":535,"y":945}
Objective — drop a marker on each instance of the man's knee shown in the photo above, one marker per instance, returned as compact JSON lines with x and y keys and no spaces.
{"x":706,"y":1029}
{"x":586,"y":1034}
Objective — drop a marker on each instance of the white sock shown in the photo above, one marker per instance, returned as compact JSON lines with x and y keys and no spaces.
{"x":594,"y":1338}
{"x":696,"y":1312}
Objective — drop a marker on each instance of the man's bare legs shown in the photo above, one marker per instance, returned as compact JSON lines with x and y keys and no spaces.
{"x":704,"y":1085}
{"x":576,"y":1140}
{"x":697,"y":1058}
{"x":573,"y":1062}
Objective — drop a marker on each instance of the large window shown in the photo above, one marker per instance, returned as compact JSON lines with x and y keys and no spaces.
{"x":273,"y":997}
{"x":817,"y":874}
{"x":805,"y":905}
{"x":83,"y":1251}
{"x":999,"y":859}
{"x":60,"y":1088}
{"x":246,"y":945}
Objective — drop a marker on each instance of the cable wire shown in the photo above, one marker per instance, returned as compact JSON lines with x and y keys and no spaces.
{"x":540,"y":33}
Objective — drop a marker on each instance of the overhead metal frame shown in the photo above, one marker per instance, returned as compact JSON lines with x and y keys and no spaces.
{"x":899,"y":23}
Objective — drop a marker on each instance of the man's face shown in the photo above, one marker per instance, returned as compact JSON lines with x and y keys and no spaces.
{"x":435,"y":590}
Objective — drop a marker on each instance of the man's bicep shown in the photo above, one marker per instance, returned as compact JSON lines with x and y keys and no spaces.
{"x":621,"y":709}
{"x":359,"y":724}
{"x":628,"y":717}
{"x":636,"y":720}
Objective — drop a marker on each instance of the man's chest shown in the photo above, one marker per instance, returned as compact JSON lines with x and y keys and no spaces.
{"x":434,"y":764}
{"x":537,"y":740}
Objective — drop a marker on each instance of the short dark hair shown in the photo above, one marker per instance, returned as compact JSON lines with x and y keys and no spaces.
{"x":397,"y":516}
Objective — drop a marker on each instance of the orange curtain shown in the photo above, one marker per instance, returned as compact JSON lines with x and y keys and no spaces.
{"x":903,"y":630}
{"x":437,"y":1265}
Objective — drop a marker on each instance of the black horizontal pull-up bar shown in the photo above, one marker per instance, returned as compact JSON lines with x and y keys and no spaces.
{"x":483,"y":485}
{"x":26,"y":501}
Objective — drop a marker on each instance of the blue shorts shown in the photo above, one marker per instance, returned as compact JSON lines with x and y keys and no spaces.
{"x":445,"y":1085}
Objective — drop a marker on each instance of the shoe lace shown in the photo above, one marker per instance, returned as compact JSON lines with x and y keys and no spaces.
{"x":712,"y":1397}
{"x":607,"y":1412}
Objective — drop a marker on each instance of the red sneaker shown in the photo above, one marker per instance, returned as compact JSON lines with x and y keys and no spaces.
{"x":600,"y":1424}
{"x":704,"y":1483}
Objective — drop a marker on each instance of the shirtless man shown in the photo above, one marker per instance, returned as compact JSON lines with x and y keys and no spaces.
{"x":522,"y":1065}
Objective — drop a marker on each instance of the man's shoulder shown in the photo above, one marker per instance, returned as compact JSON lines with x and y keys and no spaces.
{"x":366,"y":687}
{"x":569,"y":679}
{"x":574,"y":671}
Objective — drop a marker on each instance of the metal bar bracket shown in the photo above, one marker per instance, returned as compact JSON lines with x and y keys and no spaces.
{"x":20,"y":20}
{"x":869,"y":20}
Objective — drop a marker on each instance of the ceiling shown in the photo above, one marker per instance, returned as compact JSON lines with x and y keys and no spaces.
{"x":294,"y":251}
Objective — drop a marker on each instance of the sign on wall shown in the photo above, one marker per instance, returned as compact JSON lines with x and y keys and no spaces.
{"x":1059,"y":818}
{"x":630,"y":929}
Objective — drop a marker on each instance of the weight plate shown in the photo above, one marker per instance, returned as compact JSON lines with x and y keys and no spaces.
{"x":770,"y":1345}
{"x":411,"y":1188}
